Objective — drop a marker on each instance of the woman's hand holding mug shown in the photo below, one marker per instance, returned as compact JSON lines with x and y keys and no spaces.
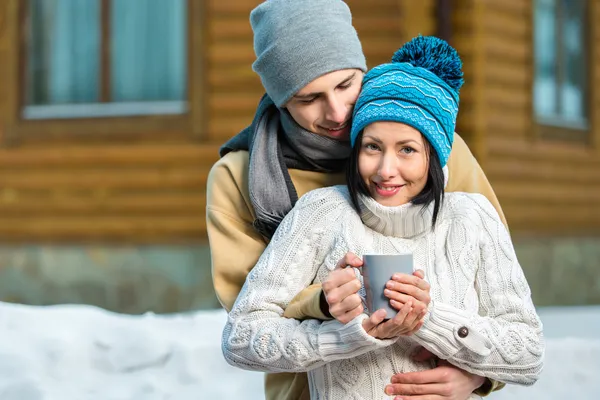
{"x":403,"y":288}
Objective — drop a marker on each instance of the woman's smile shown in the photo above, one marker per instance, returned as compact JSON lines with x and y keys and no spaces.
{"x":386,"y":189}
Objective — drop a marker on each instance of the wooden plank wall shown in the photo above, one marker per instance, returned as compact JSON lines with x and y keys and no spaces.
{"x":464,"y":40}
{"x":545,"y":186}
{"x":95,"y":185}
{"x":151,"y":189}
{"x":139,"y":193}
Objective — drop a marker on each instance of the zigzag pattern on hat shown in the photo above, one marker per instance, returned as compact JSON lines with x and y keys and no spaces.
{"x":418,"y":74}
{"x":422,"y":93}
{"x":408,"y":77}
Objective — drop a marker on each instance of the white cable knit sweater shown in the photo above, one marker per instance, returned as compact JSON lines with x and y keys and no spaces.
{"x":476,"y":283}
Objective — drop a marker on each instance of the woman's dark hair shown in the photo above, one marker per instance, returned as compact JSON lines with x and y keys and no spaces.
{"x":432,"y":192}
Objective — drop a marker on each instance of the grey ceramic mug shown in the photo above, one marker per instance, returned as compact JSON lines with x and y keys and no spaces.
{"x":377,"y":270}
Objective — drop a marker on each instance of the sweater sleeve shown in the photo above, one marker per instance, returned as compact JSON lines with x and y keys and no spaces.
{"x":504,"y":340}
{"x":257,"y":336}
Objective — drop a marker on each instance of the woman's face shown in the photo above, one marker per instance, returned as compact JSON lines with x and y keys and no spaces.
{"x":393,"y":162}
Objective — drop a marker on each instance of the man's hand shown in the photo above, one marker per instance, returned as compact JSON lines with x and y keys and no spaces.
{"x":341,"y":290}
{"x":445,"y":382}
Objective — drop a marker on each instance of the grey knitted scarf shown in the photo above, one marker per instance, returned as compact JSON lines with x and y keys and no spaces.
{"x":275,"y":143}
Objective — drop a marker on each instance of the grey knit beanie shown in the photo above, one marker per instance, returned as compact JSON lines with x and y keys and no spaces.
{"x":297,"y":41}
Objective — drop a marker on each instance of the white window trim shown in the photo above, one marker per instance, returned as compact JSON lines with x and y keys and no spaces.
{"x":104,"y":110}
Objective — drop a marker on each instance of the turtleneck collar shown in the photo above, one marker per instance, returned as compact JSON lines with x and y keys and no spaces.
{"x":403,"y":221}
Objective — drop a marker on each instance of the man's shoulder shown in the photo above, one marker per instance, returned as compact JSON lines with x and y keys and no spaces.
{"x":460,"y":145}
{"x":227,"y":185}
{"x":234,"y":163}
{"x":230,"y":172}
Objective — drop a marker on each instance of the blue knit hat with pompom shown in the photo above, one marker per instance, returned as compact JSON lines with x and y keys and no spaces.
{"x":419,"y":88}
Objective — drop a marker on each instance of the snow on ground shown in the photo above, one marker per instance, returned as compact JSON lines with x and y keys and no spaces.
{"x":78,"y":352}
{"x":75,"y":352}
{"x":572,"y":364}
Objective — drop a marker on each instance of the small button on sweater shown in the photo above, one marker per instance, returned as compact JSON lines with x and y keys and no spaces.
{"x":481,"y":317}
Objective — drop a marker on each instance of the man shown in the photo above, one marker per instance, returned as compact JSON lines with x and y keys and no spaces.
{"x":311,"y":64}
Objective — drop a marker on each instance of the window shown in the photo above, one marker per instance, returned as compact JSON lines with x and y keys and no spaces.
{"x":98,"y":58}
{"x":560,"y":75}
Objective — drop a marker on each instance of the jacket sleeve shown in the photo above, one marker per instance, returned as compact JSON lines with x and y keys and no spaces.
{"x":488,"y":387}
{"x":504,"y":340}
{"x":465,"y":175}
{"x":257,"y":336}
{"x":307,"y":304}
{"x":235,"y":246}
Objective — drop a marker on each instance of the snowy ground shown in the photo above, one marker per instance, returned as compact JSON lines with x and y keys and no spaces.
{"x":85,"y":353}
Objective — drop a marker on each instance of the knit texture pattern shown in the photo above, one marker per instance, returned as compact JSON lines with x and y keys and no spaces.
{"x":476,"y":282}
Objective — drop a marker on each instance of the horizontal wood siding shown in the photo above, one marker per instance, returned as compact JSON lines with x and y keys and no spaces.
{"x":545,"y":186}
{"x":138,"y":193}
{"x":153,"y":189}
{"x":463,"y":35}
{"x":104,"y":183}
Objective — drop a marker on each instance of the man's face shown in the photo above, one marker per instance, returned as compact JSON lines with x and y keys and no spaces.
{"x":325,"y":105}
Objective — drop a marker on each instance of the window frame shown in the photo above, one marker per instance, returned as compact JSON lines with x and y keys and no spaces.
{"x":556,"y":128}
{"x":20,"y":130}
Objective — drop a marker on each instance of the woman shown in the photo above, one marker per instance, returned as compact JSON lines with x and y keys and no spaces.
{"x":475,"y":309}
{"x":297,"y":140}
